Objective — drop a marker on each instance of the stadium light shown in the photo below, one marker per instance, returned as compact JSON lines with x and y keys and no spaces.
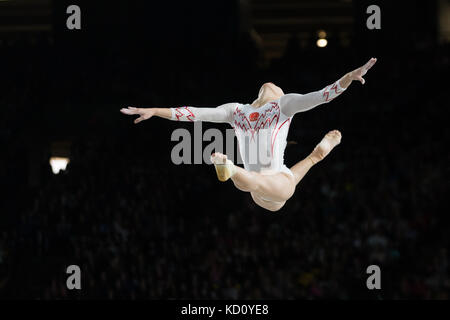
{"x":58,"y":164}
{"x":322,"y":34}
{"x":322,"y":43}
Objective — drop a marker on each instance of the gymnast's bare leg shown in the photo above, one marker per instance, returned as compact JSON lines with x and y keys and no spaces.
{"x":271,"y":191}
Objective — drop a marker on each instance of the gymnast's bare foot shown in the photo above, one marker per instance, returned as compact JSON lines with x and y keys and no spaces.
{"x":224,"y":167}
{"x":331,"y":140}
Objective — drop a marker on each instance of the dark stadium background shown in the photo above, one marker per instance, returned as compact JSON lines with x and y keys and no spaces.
{"x":141,"y":227}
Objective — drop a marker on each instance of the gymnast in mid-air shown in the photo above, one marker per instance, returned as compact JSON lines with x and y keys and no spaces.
{"x":264,"y":122}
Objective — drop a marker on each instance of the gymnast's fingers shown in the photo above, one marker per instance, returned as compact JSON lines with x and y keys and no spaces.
{"x":361,"y":79}
{"x":370,"y":63}
{"x":137,"y":120}
{"x":130,"y":110}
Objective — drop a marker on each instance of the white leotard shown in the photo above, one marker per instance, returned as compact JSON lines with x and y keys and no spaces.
{"x":261,"y":132}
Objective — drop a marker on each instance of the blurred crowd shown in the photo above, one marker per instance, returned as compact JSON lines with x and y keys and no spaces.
{"x":141,"y":227}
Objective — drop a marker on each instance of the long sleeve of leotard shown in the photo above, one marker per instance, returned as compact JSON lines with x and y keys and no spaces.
{"x":222,"y":113}
{"x":293,"y":103}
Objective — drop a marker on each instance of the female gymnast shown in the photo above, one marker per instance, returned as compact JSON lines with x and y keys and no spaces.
{"x":270,"y":183}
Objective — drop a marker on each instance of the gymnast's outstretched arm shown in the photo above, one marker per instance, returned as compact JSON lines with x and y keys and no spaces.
{"x":293,"y":103}
{"x":222,"y":113}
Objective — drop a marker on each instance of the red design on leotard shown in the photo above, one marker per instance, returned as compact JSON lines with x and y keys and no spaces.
{"x":184,"y":112}
{"x":239,"y":125}
{"x":335,"y":88}
{"x":326,"y":93}
{"x":275,"y":137}
{"x":262,"y":122}
{"x":254,"y":116}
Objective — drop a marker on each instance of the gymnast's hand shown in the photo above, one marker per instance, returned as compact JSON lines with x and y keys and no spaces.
{"x":144,"y":113}
{"x":358,"y":74}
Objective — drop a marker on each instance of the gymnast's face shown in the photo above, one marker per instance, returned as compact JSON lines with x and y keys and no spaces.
{"x":271,"y":91}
